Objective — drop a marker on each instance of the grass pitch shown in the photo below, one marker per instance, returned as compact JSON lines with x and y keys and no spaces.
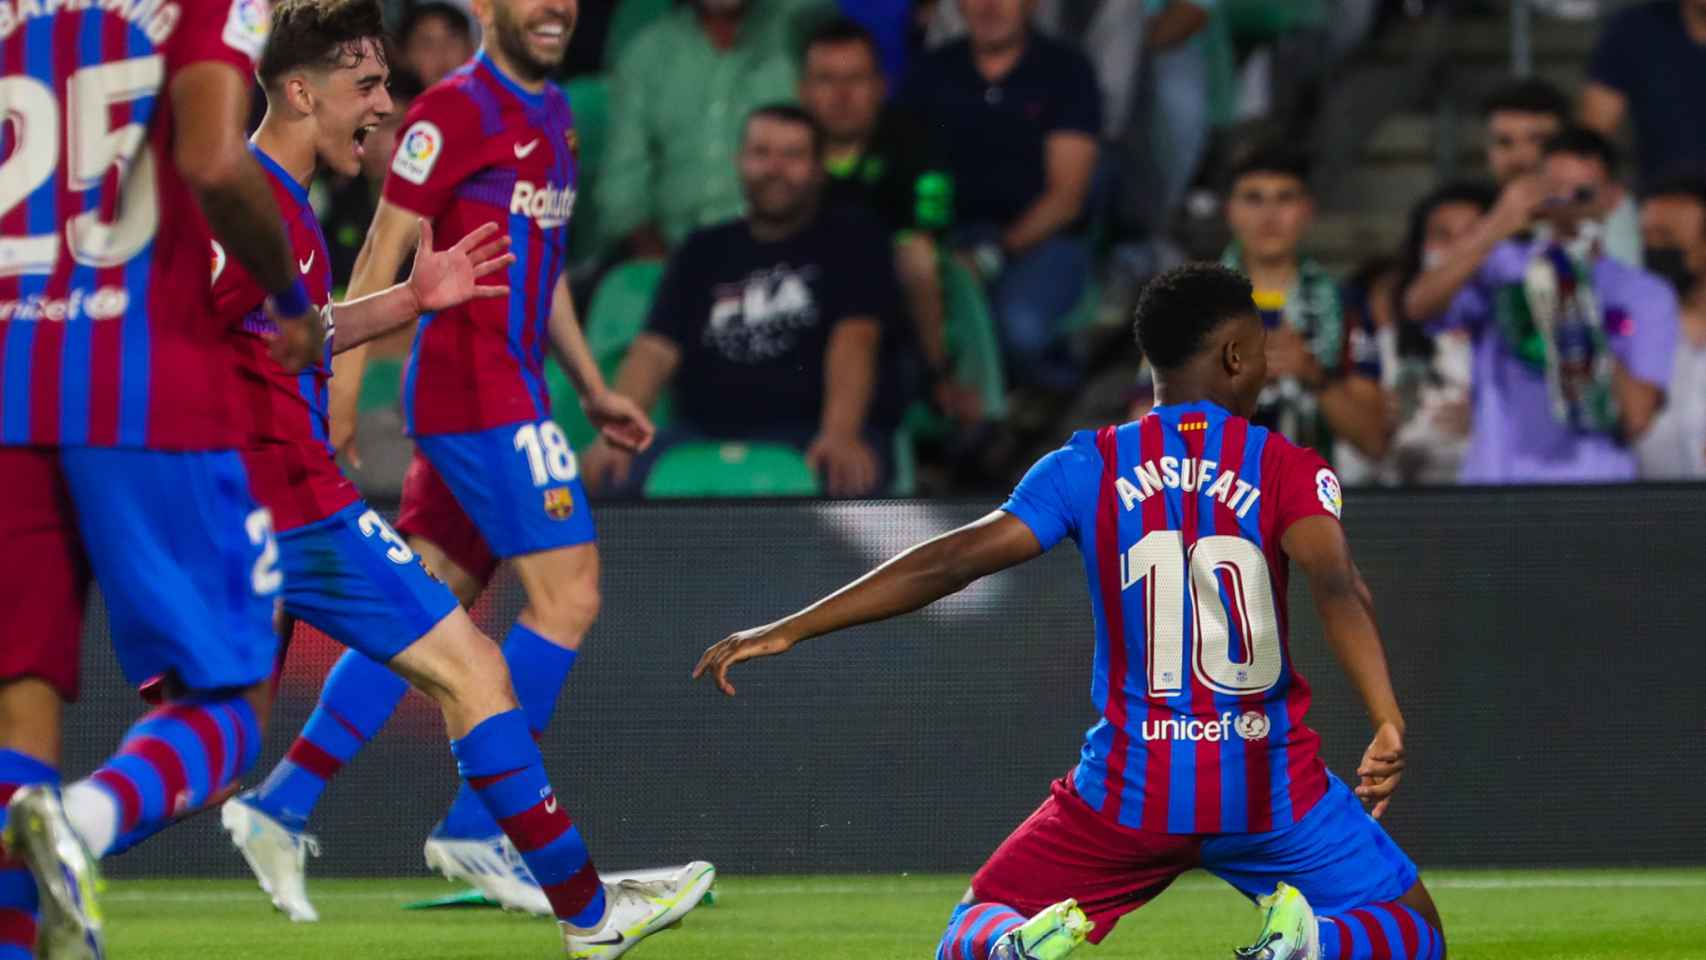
{"x":1505,"y":915}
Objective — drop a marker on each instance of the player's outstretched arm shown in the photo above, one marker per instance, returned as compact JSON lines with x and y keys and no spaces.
{"x":210,"y":103}
{"x":1317,"y":544}
{"x":440,"y":279}
{"x":393,"y":231}
{"x":916,"y":578}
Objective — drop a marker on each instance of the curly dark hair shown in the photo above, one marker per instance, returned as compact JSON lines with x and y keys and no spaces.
{"x":320,"y":33}
{"x":1180,"y":307}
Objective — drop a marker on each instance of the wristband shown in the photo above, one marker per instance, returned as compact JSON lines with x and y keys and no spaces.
{"x":292,"y":301}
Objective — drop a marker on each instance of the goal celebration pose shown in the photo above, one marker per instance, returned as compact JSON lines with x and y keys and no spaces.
{"x":1188,"y":521}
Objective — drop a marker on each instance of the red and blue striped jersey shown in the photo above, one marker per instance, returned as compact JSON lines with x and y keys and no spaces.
{"x":1179,"y":517}
{"x":477,"y":148}
{"x":288,"y":454}
{"x":107,"y":333}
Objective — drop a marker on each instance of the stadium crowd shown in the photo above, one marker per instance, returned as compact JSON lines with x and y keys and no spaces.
{"x":887,"y":247}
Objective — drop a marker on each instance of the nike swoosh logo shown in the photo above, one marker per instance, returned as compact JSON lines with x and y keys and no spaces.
{"x":608,"y":942}
{"x":551,"y":805}
{"x":307,"y":264}
{"x":522,"y":153}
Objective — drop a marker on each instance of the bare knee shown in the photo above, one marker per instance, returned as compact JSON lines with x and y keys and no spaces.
{"x":564,"y":617}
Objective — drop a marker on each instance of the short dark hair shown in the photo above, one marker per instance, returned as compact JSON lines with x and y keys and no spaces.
{"x":1582,"y":142}
{"x":790,"y":113}
{"x":419,"y":13}
{"x":1269,"y":158}
{"x":325,"y":34}
{"x":1527,"y":95}
{"x":839,"y":30}
{"x":1180,"y":307}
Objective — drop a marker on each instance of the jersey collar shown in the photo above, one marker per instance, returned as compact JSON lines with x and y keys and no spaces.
{"x":527,"y":97}
{"x":297,"y":190}
{"x":1195,"y":406}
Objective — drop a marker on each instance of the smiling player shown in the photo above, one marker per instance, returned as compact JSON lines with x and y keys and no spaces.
{"x":490,"y":147}
{"x":1188,"y":520}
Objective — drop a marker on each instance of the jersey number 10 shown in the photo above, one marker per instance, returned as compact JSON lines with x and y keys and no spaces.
{"x":1158,"y":563}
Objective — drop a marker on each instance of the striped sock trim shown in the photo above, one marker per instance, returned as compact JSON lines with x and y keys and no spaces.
{"x":1380,"y":931}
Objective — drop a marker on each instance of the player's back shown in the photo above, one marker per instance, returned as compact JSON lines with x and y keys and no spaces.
{"x":106,"y":333}
{"x":1179,"y":518}
{"x":477,"y":148}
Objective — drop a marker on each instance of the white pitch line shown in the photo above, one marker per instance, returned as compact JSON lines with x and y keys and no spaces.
{"x":764,"y":889}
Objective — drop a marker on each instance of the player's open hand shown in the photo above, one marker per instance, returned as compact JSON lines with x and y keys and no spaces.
{"x":765,"y":641}
{"x":300,"y":340}
{"x":620,"y":421}
{"x":1382,"y":766}
{"x":443,"y":279}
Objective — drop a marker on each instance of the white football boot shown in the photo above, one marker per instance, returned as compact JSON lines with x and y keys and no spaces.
{"x":38,"y":833}
{"x":636,"y":909}
{"x":277,"y":855}
{"x":493,"y":866}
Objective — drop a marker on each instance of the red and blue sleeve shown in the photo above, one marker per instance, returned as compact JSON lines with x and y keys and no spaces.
{"x":1056,"y":492}
{"x":439,"y":148}
{"x":1305,"y":486}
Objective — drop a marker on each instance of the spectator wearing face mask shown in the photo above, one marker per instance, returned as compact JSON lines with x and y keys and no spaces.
{"x":1673,"y":225}
{"x":1573,"y":350}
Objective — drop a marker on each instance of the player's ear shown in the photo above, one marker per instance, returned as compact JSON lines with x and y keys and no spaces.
{"x":298,"y":92}
{"x":1232,"y":358}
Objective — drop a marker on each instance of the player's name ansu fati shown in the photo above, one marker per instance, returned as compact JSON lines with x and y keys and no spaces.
{"x":1189,"y":475}
{"x":155,"y":18}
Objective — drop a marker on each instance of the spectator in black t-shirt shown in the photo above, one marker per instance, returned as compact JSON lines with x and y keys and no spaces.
{"x":770,"y":328}
{"x":882,"y":161}
{"x":1020,"y":114}
{"x":1650,"y":64}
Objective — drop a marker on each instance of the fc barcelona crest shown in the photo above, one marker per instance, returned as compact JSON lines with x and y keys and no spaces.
{"x":559,"y":503}
{"x":573,"y":140}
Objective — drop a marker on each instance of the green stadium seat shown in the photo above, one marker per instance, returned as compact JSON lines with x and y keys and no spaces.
{"x":618,"y":310}
{"x":732,"y":470}
{"x":381,"y":384}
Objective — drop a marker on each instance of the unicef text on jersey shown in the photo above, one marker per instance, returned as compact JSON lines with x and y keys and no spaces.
{"x":1249,"y":725}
